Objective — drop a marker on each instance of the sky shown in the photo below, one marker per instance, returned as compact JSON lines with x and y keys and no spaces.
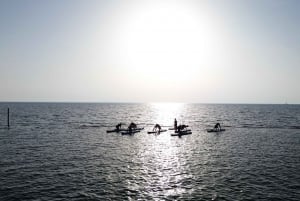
{"x":213,"y":51}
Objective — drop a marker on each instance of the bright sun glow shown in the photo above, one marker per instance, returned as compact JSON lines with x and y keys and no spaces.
{"x":168,"y":45}
{"x":167,"y":37}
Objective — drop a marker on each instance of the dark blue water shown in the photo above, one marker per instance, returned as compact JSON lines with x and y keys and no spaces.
{"x":60,"y":151}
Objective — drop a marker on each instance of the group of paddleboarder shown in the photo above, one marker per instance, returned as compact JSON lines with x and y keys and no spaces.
{"x":177,"y":128}
{"x":157,"y":127}
{"x":181,"y":127}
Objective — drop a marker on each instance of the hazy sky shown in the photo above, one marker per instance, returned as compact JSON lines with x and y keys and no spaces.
{"x":150,"y":51}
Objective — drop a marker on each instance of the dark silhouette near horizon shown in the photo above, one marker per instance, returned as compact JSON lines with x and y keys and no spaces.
{"x":157,"y":127}
{"x":217,"y":126}
{"x":131,"y":126}
{"x":118,"y":126}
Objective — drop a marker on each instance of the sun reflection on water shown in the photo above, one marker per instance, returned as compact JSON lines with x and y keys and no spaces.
{"x":161,"y":157}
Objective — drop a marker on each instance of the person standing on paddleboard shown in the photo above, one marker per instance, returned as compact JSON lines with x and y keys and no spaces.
{"x":175,"y":124}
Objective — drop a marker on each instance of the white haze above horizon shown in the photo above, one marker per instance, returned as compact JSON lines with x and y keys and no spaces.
{"x":150,"y":51}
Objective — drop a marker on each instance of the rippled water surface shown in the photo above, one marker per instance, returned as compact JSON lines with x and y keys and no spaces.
{"x":60,"y":151}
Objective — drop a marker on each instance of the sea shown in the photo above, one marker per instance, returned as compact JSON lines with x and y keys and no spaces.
{"x":61,"y":151}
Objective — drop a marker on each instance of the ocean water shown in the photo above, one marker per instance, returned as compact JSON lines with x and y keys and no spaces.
{"x":61,"y":151}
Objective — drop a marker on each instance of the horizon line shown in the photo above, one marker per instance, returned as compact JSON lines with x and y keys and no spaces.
{"x":159,"y":102}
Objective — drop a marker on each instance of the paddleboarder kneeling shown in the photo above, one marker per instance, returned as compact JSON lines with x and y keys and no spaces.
{"x":217,"y":126}
{"x":157,"y":127}
{"x":131,"y":126}
{"x":181,"y":127}
{"x":118,"y":126}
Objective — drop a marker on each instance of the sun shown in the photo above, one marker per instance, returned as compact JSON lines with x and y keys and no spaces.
{"x":166,"y":47}
{"x":165,"y":36}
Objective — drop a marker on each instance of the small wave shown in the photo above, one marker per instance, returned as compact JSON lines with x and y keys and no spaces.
{"x":267,"y":127}
{"x":84,"y":126}
{"x":294,"y":127}
{"x":4,"y":127}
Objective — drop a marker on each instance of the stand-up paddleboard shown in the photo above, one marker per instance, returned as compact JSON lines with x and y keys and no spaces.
{"x":153,"y":132}
{"x":182,"y":133}
{"x":123,"y":129}
{"x":116,"y":130}
{"x":185,"y":126}
{"x":133,"y":131}
{"x":129,"y":132}
{"x":215,"y":130}
{"x":188,"y":130}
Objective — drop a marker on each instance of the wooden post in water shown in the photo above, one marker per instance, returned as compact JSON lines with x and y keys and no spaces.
{"x":7,"y":118}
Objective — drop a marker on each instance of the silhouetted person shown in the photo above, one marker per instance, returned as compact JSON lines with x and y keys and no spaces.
{"x":217,"y":126}
{"x":118,"y":126}
{"x":131,"y":126}
{"x":175,"y":124}
{"x":181,"y":127}
{"x":157,"y":127}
